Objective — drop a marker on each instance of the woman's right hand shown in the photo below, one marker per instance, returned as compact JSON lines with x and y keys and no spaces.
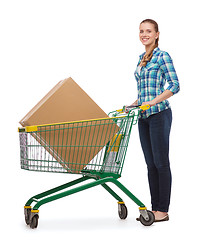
{"x":132,"y":105}
{"x":126,"y":110}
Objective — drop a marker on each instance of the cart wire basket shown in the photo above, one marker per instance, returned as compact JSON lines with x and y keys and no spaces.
{"x":95,"y":149}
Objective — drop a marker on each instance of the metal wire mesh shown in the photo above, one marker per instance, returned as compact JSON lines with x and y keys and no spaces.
{"x":77,"y":147}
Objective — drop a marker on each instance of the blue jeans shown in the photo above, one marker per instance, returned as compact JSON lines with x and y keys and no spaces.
{"x":154,"y":134}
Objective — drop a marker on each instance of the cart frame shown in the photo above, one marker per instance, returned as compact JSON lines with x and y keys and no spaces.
{"x":99,"y":178}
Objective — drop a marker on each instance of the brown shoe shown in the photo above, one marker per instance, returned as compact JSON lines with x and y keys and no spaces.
{"x":165,"y":218}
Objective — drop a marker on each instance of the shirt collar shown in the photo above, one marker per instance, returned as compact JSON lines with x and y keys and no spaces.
{"x":156,"y":50}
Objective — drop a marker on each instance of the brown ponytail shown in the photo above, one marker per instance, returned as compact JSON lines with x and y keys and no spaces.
{"x":148,"y":55}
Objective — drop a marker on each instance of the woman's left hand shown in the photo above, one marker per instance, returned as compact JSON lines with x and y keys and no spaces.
{"x":150,"y":103}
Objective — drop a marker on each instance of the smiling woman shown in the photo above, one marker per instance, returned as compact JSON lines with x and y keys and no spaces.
{"x":149,"y":36}
{"x":154,"y":69}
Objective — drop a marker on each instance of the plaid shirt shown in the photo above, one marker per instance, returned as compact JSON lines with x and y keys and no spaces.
{"x":151,"y":80}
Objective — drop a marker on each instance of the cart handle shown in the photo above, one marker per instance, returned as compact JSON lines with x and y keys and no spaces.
{"x":141,"y":107}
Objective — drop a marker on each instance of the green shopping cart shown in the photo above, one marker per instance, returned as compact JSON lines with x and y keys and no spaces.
{"x":95,"y":149}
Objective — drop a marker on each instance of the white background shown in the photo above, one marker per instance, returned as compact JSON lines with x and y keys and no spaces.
{"x":96,"y":43}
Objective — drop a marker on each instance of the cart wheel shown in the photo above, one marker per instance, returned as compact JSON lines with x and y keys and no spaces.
{"x":122,"y":211}
{"x":27,"y":213}
{"x":34,"y":221}
{"x":148,"y":222}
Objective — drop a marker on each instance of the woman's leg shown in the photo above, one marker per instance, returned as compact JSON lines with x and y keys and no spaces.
{"x":153,"y":176}
{"x":160,"y":125}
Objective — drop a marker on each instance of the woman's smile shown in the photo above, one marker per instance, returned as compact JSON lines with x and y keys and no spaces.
{"x":145,"y":39}
{"x":148,"y":35}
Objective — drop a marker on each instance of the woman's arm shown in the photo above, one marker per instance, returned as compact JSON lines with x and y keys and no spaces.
{"x":166,"y":65}
{"x":135,"y":103}
{"x":163,"y":96}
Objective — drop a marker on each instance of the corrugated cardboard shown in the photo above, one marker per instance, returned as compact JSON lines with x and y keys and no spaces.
{"x":73,"y":145}
{"x":67,"y":102}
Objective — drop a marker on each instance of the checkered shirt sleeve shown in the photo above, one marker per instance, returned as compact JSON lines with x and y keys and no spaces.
{"x":168,"y":69}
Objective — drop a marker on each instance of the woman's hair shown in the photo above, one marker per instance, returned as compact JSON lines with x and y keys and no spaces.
{"x":148,"y":55}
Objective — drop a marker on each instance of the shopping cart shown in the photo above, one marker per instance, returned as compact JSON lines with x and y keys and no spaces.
{"x":80,"y":147}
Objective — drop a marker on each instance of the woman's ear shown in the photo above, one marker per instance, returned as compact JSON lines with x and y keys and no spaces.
{"x":157,"y":35}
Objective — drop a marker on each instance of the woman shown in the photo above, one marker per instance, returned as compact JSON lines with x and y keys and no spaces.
{"x":154,"y":69}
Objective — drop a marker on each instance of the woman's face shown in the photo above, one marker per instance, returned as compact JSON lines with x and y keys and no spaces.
{"x":147,"y":34}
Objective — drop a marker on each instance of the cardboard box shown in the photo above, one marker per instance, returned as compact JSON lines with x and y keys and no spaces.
{"x":74,"y":145}
{"x":67,"y":102}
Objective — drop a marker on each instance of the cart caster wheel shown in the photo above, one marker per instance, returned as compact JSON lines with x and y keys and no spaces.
{"x":27,"y":216}
{"x":27,"y":213}
{"x":34,"y":221}
{"x":148,"y":222}
{"x":122,"y":211}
